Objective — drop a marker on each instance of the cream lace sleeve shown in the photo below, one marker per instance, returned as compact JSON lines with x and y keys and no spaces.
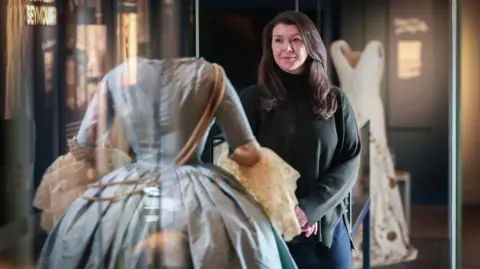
{"x":272,"y":182}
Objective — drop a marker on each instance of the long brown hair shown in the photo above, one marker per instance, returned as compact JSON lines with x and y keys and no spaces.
{"x":269,"y":78}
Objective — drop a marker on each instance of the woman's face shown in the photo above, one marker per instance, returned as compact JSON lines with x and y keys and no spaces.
{"x":288,"y":48}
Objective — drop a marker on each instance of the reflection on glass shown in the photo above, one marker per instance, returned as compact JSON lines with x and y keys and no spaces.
{"x":40,"y":12}
{"x":129,"y":44}
{"x":57,"y":53}
{"x":15,"y":31}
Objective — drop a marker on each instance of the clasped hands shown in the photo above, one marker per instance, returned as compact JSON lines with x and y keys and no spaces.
{"x":308,"y":229}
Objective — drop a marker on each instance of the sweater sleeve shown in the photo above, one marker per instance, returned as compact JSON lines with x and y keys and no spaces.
{"x":339,"y":180}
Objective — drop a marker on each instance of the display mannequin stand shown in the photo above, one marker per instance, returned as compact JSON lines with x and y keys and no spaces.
{"x":360,"y":74}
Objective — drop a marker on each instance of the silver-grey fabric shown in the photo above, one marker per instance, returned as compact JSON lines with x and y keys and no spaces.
{"x":205,"y":216}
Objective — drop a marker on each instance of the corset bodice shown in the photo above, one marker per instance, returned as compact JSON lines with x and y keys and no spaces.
{"x":160,"y":106}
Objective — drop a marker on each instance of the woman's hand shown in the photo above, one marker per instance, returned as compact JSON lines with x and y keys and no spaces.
{"x":311,"y":230}
{"x":308,"y":229}
{"x":302,"y":217}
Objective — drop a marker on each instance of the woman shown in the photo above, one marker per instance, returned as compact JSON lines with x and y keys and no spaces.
{"x":296,"y":112}
{"x":156,"y":211}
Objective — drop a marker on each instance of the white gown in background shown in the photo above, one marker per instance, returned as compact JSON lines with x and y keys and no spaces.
{"x":360,"y":74}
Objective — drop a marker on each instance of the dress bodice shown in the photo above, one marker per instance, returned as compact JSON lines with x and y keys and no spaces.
{"x":359,"y":71}
{"x":159,"y":106}
{"x":161,"y":109}
{"x":360,"y":76}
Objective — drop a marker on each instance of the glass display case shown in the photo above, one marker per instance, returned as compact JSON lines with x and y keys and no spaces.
{"x":56,"y":52}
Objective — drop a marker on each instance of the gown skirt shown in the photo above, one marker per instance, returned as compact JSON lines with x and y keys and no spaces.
{"x":204,"y":217}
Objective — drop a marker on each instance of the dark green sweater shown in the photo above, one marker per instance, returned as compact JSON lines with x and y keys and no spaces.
{"x":326,"y":153}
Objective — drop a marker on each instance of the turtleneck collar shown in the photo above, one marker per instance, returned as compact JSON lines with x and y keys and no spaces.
{"x":295,"y":84}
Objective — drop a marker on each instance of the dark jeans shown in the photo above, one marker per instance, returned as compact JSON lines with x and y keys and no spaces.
{"x":310,"y":254}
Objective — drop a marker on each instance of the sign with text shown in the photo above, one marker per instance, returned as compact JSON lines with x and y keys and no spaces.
{"x":411,"y":61}
{"x":40,"y":12}
{"x":127,"y":6}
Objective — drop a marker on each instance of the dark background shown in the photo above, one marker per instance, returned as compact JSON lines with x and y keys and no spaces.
{"x":230,"y":34}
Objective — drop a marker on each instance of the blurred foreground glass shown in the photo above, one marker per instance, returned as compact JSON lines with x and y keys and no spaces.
{"x":56,"y":54}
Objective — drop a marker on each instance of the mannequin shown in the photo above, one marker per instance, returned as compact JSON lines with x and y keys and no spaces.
{"x":360,"y":74}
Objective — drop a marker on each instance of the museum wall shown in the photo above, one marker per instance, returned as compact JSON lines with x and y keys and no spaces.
{"x":470,"y":98}
{"x":3,"y":17}
{"x":3,"y":186}
{"x":417,"y":125}
{"x":421,"y":149}
{"x":420,"y":146}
